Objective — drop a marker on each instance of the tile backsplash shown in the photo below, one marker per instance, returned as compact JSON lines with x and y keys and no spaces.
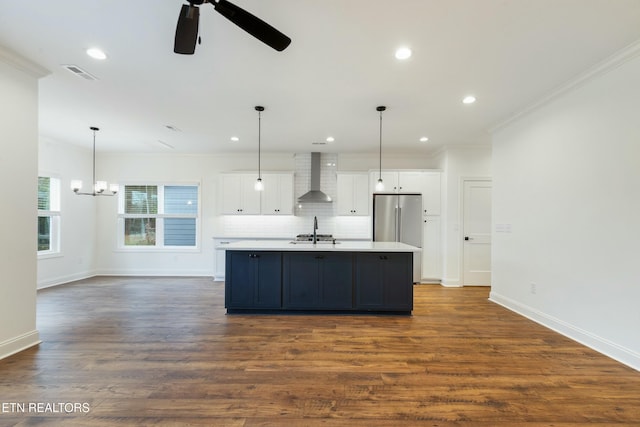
{"x":288,"y":226}
{"x":328,"y":184}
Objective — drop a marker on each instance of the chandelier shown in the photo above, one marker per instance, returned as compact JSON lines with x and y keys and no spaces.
{"x":99,"y":187}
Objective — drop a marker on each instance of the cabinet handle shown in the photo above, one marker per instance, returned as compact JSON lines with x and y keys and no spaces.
{"x":319,"y":257}
{"x":383,"y":257}
{"x":254,"y":256}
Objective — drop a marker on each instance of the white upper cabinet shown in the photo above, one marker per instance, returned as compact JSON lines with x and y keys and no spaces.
{"x":389,"y":181}
{"x":277,"y":197}
{"x":398,"y":181}
{"x":425,"y":182}
{"x":410,"y":182}
{"x":238,"y":194}
{"x":353,"y":194}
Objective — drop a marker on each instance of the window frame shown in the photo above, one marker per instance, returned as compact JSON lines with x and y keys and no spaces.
{"x":54,"y":214}
{"x":160,"y":216}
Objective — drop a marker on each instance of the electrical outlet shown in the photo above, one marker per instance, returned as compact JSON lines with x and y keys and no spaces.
{"x":533,"y":288}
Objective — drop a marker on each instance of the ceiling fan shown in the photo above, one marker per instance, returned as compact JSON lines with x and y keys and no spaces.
{"x":187,"y":28}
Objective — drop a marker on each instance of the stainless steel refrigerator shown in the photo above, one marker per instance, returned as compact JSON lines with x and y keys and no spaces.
{"x":398,"y":218}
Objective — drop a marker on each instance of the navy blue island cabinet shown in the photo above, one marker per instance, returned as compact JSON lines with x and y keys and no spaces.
{"x":318,"y":282}
{"x":255,"y":281}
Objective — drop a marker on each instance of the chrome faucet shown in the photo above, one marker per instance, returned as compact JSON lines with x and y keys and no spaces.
{"x":315,"y":227}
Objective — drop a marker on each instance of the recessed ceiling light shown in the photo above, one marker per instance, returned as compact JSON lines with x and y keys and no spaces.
{"x":96,"y":53}
{"x":235,"y":139}
{"x":424,"y":139}
{"x":330,"y":139}
{"x":470,"y":99}
{"x":403,"y":53}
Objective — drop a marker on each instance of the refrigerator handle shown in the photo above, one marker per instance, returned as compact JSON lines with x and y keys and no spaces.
{"x":399,"y":224}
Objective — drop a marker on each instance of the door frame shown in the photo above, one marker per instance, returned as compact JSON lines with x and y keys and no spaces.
{"x":463,"y":180}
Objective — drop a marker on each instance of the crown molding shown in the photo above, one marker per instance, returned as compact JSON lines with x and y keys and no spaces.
{"x":14,"y":59}
{"x":616,"y":60}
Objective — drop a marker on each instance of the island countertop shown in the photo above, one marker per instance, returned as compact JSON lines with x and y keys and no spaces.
{"x":339,"y":246}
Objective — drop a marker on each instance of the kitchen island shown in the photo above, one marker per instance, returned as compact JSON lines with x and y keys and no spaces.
{"x":275,"y":276}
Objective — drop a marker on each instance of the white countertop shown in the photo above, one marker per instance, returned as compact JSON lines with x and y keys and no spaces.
{"x":340,"y":246}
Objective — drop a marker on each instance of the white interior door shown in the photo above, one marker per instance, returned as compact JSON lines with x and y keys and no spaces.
{"x":476,"y":227}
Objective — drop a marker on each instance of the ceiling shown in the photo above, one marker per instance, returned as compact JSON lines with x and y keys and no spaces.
{"x":328,"y":82}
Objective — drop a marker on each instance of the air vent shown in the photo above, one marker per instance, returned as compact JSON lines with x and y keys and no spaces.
{"x":80,"y":72}
{"x":318,"y":143}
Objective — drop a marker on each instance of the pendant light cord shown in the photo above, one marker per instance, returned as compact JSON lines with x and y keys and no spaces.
{"x":380,"y":155}
{"x":94,"y":160}
{"x":259,"y":143}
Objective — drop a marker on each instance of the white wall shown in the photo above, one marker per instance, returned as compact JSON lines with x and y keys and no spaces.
{"x":458,"y":163}
{"x":77,"y":214}
{"x":18,"y":173}
{"x":567,"y":178}
{"x":170,"y":168}
{"x":89,"y":225}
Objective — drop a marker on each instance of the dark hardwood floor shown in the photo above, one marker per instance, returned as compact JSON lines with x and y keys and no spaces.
{"x":162,"y":351}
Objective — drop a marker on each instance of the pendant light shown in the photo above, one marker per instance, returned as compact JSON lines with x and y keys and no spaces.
{"x":99,"y":187}
{"x":380,"y":184}
{"x":259,"y":186}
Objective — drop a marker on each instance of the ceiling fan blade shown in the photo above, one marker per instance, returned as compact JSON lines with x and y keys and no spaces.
{"x":252,"y":25}
{"x":187,"y":30}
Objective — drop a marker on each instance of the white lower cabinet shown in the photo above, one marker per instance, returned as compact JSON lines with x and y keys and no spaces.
{"x":219,"y":245}
{"x":431,"y":252}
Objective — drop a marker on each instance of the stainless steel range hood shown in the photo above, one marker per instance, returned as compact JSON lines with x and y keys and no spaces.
{"x":315,"y":195}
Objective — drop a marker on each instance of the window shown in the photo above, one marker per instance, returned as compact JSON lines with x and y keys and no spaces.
{"x":159,"y":216}
{"x":48,"y":215}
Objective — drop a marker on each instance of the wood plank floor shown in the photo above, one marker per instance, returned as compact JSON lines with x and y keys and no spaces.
{"x":162,"y":351}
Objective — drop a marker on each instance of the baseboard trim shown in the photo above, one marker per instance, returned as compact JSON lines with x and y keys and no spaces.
{"x":19,"y":343}
{"x":65,"y":279}
{"x":601,"y":345}
{"x":155,"y":273}
{"x":451,"y":283}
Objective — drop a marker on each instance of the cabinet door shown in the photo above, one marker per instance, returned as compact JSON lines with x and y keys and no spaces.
{"x":361,"y":196}
{"x":300,"y":280}
{"x":336,"y":280}
{"x":253,"y":279}
{"x":231,"y":188}
{"x":344,"y":202}
{"x":277,"y":197}
{"x":431,"y":195}
{"x":353,"y":194}
{"x":389,"y":180}
{"x":431,"y":256}
{"x":384,"y":281}
{"x":238,"y":194}
{"x":250,"y":197}
{"x":411,"y":182}
{"x":318,"y":280}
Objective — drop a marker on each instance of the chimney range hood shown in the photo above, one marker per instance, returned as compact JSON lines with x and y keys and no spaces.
{"x":314,"y":195}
